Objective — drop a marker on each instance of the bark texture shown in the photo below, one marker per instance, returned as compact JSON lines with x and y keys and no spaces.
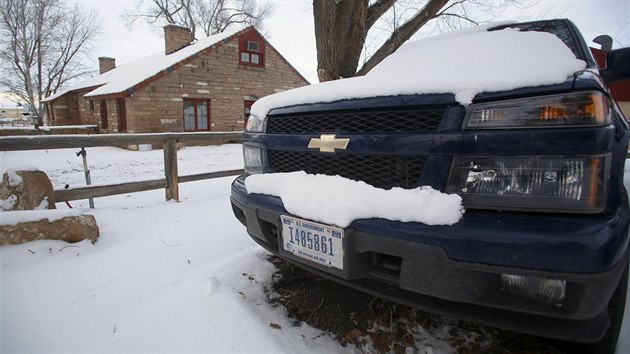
{"x":341,"y":28}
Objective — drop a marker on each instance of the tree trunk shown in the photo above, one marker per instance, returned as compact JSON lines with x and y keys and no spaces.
{"x":341,"y":27}
{"x":340,"y":31}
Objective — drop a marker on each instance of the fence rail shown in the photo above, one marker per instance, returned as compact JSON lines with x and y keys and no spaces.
{"x":38,"y":142}
{"x":171,"y":179}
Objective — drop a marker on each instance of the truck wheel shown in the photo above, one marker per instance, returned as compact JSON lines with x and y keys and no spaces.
{"x":616,"y":308}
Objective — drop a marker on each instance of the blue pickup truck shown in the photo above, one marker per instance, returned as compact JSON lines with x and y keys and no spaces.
{"x":543,"y":245}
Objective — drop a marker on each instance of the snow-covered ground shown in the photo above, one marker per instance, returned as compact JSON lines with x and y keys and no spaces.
{"x":163,"y":277}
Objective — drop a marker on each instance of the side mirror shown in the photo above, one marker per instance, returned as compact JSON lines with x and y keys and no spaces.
{"x":617,"y":65}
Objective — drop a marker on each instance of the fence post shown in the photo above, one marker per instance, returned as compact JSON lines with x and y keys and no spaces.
{"x":170,"y":169}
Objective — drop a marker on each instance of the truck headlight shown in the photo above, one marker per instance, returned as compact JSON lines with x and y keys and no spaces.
{"x":560,"y":184}
{"x":575,"y":109}
{"x":255,"y":124}
{"x":252,"y":157}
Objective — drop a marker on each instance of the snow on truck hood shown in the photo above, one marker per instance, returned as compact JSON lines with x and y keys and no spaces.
{"x":463,"y":63}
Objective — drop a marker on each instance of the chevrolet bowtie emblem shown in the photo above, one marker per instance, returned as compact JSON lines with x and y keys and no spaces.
{"x":328,"y":143}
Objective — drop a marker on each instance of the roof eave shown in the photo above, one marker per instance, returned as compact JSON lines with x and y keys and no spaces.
{"x":88,"y":88}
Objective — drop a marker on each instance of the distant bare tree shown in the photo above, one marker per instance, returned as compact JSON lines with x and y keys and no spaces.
{"x":42,"y":44}
{"x":342,"y":27}
{"x":208,"y":16}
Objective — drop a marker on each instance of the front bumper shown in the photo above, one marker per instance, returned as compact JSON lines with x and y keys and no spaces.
{"x":456,"y":270}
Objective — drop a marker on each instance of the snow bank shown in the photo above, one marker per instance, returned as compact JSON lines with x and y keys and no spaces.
{"x":339,"y":201}
{"x":464,"y":63}
{"x":168,"y":278}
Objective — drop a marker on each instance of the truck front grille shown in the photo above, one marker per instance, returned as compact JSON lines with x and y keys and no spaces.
{"x":382,"y":171}
{"x":388,"y":121}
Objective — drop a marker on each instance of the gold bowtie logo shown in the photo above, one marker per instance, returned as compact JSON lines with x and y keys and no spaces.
{"x":328,"y":143}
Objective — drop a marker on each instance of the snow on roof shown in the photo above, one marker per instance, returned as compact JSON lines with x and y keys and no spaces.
{"x":132,"y":73}
{"x":464,"y":63}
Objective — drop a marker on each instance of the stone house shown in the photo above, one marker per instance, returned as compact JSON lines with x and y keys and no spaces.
{"x":207,"y":85}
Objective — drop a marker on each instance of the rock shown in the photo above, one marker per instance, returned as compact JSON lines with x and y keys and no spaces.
{"x":69,"y":229}
{"x":26,"y":189}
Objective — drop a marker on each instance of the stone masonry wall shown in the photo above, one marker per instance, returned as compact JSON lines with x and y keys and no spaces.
{"x":106,"y":64}
{"x":73,"y":109}
{"x":66,"y":110}
{"x":86,"y":115}
{"x":176,"y":37}
{"x":112,"y":115}
{"x":215,"y":75}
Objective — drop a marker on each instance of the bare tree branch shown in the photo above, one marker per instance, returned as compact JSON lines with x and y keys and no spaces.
{"x":376,"y":10}
{"x":209,"y":16}
{"x":42,"y":43}
{"x":345,"y":31}
{"x":403,"y":34}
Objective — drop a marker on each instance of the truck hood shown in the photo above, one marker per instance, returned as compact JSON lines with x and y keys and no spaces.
{"x":463,"y":63}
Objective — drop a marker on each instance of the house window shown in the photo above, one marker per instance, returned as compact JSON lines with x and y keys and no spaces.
{"x":103,"y":114}
{"x":252,"y":46}
{"x":252,"y":54}
{"x":196,"y":115}
{"x":91,"y":106}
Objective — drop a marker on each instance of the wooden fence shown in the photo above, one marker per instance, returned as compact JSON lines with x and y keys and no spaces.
{"x":171,"y":179}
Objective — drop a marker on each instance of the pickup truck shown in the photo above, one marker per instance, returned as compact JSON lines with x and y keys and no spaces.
{"x":538,"y":162}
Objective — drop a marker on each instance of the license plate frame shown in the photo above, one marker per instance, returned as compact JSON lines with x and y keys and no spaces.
{"x":319,"y":243}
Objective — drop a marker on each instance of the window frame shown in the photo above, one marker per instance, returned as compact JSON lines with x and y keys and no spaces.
{"x":250,"y":53}
{"x":250,"y":49}
{"x":196,"y":102}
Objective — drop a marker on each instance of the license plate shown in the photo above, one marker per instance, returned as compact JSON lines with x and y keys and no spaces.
{"x":319,"y":243}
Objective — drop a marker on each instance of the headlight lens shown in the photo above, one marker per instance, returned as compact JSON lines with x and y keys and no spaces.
{"x":254,"y":124}
{"x":575,"y":109}
{"x":561,"y":184}
{"x":253,"y":159}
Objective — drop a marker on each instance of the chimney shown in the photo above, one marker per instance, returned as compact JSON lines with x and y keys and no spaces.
{"x":176,"y":38}
{"x":106,"y":64}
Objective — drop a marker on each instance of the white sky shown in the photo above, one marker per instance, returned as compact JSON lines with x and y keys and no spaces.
{"x":290,"y":29}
